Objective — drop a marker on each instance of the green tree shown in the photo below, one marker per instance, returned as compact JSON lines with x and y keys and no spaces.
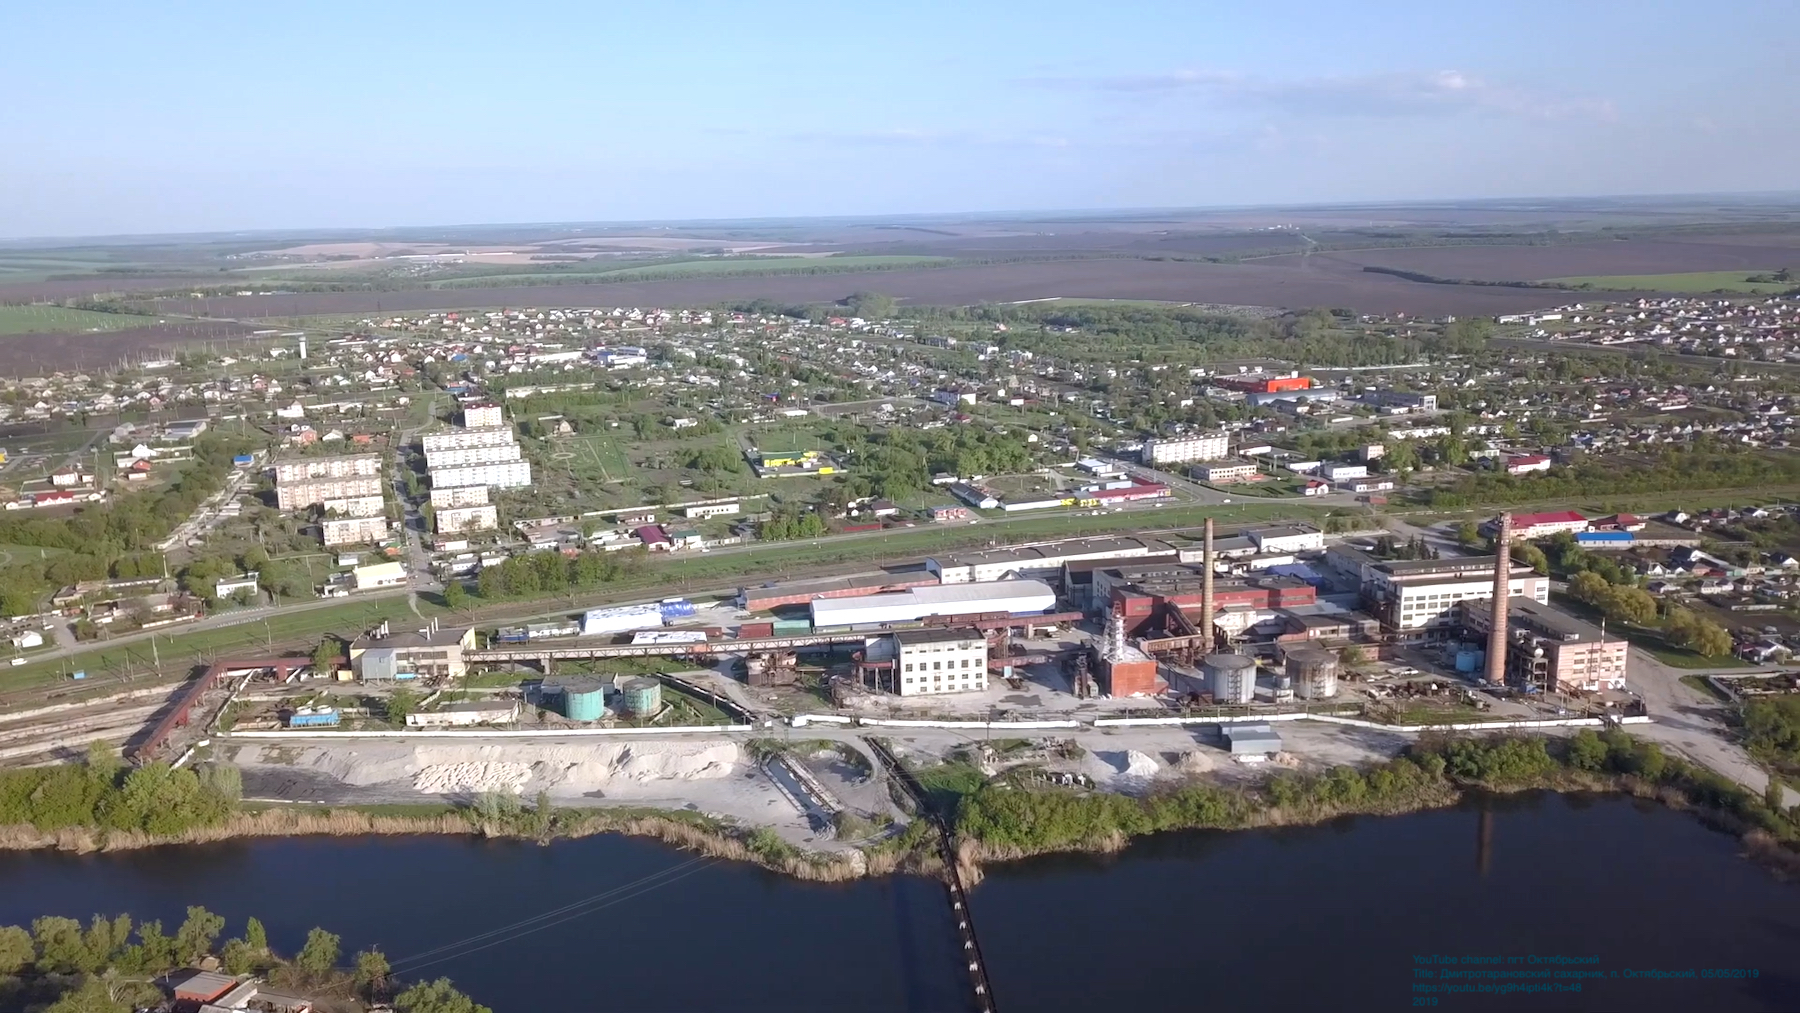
{"x":256,"y":936}
{"x":456,"y":596}
{"x":372,"y":973}
{"x":1468,"y":534}
{"x":320,"y":954}
{"x":61,"y":947}
{"x":196,"y":936}
{"x":95,"y":995}
{"x":1531,"y":556}
{"x":438,"y":996}
{"x":16,"y":950}
{"x":1589,"y":587}
{"x":326,"y":656}
{"x":1587,"y":751}
{"x":398,"y":705}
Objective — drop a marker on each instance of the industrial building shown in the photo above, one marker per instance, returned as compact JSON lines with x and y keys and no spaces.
{"x":1001,"y":597}
{"x":466,"y":714}
{"x":1262,"y":383}
{"x":701,"y":511}
{"x":354,"y":530}
{"x":630,"y":618}
{"x":1531,"y":527}
{"x":939,"y":661}
{"x":1549,"y":649}
{"x":1251,"y":741}
{"x":433,"y":652}
{"x":1040,"y":562}
{"x":1297,"y":538}
{"x":799,"y":592}
{"x":1182,"y":449}
{"x":1419,"y":600}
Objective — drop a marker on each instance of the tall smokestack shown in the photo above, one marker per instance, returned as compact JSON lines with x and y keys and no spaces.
{"x":1206,"y":591}
{"x":1496,"y":651}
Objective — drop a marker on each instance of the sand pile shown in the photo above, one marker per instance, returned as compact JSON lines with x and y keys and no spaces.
{"x":1192,"y":762}
{"x":584,"y":766}
{"x":1140,"y":765}
{"x":450,"y":778}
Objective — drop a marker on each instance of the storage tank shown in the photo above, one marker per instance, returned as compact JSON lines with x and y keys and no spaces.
{"x":1468,"y":660}
{"x":583,"y":700}
{"x":1314,"y":673}
{"x":642,"y":696}
{"x":1232,"y":678}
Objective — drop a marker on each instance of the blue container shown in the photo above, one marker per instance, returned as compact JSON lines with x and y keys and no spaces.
{"x":79,"y":675}
{"x":675,"y":608}
{"x":1469,"y":661}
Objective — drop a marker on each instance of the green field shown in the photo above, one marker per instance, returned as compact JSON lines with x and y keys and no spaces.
{"x":1693,"y":281}
{"x":41,"y":319}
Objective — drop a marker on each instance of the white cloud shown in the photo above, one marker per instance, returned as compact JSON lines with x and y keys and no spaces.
{"x":1443,"y":93}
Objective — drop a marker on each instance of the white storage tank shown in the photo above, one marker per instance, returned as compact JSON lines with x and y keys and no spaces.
{"x":1314,"y":672}
{"x":1232,"y":678}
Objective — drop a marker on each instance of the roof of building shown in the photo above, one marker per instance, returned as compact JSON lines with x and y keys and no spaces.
{"x":479,"y":707}
{"x":444,"y":636}
{"x":1252,"y":738}
{"x":1555,"y":517}
{"x":205,"y":985}
{"x":1554,"y":623}
{"x":938,"y":636}
{"x":1052,"y":551}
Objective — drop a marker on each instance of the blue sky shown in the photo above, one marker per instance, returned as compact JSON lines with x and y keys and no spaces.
{"x":166,"y":117}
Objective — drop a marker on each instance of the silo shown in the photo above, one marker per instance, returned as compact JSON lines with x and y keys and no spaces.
{"x":583,"y":700}
{"x":1232,"y":677}
{"x":643,"y":696}
{"x":1315,"y":674}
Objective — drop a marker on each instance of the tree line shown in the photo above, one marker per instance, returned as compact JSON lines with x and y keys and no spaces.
{"x":110,"y":966}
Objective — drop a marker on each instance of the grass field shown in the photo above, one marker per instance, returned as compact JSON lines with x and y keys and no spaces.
{"x":1692,"y":281}
{"x":601,"y":451}
{"x":39,"y":319}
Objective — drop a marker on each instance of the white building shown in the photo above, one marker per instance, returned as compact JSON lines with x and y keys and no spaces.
{"x":939,"y":661}
{"x":1420,"y":599}
{"x":458,"y":439}
{"x":358,"y":506}
{"x":1038,"y":561}
{"x":1230,"y":472}
{"x":1345,"y":472}
{"x":459,"y":496}
{"x":482,"y":416}
{"x":1299,"y":538}
{"x":466,"y":713}
{"x":1016,"y":597}
{"x":309,"y":492}
{"x":452,"y":520}
{"x":462,"y":457}
{"x":301,"y":469}
{"x":700,"y":511}
{"x":501,"y":475}
{"x":377,"y":575}
{"x":1181,"y":449}
{"x":354,"y":530}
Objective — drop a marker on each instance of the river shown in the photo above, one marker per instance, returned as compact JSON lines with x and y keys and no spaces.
{"x":1326,"y":917}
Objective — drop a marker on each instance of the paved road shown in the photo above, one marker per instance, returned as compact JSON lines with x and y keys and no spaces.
{"x":1693,"y":724}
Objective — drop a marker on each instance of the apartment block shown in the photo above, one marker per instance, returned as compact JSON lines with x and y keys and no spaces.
{"x":458,"y":496}
{"x":1182,"y":449}
{"x":481,"y":416}
{"x":360,"y":506}
{"x":460,"y":439}
{"x":501,"y":475}
{"x":305,"y":468}
{"x":354,"y":530}
{"x":311,"y":492}
{"x":460,"y":457}
{"x":454,"y":520}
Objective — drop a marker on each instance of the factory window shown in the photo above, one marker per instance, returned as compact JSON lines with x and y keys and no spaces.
{"x":909,"y":667}
{"x":937,"y":666}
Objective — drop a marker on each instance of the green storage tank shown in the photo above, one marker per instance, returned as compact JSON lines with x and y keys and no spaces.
{"x":643,"y":696}
{"x":584,"y":701}
{"x":792,"y":627}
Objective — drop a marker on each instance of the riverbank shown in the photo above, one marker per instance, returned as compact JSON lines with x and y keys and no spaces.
{"x":1012,"y":815}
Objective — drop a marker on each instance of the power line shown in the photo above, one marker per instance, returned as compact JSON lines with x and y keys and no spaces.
{"x":557,"y":916}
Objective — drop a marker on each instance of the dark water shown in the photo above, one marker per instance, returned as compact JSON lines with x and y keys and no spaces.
{"x":1312,"y":919}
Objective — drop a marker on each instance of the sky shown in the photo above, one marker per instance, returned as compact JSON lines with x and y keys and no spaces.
{"x":127,"y":117}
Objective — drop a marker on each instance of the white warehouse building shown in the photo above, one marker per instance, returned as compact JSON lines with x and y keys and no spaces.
{"x":1017,"y":597}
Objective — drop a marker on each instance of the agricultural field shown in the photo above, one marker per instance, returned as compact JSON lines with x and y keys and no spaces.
{"x":1690,"y":282}
{"x":45,"y":319}
{"x":1596,"y":260}
{"x":45,"y":352}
